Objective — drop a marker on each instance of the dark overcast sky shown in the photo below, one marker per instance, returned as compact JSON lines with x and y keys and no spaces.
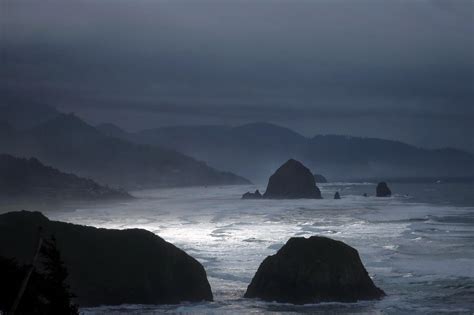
{"x":392,"y":69}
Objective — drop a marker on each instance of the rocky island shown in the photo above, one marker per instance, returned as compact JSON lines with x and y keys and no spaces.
{"x":30,"y":179}
{"x":254,"y":195}
{"x":382,"y":190}
{"x":292,"y":180}
{"x":313,"y":270}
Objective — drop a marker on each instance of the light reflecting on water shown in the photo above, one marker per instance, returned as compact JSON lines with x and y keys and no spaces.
{"x":421,"y":253}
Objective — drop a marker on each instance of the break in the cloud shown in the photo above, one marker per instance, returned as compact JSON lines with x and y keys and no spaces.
{"x":395,"y":69}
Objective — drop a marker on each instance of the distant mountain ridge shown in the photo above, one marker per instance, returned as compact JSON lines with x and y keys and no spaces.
{"x":150,"y":158}
{"x":255,"y":150}
{"x":69,"y":143}
{"x":30,"y":179}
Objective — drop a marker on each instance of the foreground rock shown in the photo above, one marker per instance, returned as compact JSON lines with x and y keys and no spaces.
{"x":255,"y":195}
{"x":320,"y":178}
{"x":110,"y":267}
{"x":313,"y":270}
{"x":292,"y":181}
{"x":382,"y":190}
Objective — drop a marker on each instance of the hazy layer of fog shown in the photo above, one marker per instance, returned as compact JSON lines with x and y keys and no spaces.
{"x":391,"y":69}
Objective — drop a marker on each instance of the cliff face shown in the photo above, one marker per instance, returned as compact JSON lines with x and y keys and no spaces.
{"x":110,"y":267}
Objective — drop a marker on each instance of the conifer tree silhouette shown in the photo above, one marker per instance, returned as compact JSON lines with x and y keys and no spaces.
{"x":57,"y":291}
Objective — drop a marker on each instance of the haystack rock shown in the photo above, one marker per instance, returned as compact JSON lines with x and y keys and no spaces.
{"x":382,"y":190}
{"x":313,"y":270}
{"x":292,"y":181}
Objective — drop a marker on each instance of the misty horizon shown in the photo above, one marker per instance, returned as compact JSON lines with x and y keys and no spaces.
{"x":95,"y":122}
{"x":394,"y":70}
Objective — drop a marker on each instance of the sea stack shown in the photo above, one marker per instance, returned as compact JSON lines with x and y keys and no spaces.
{"x":313,"y":270}
{"x":382,"y":190}
{"x":292,"y":180}
{"x":337,"y":195}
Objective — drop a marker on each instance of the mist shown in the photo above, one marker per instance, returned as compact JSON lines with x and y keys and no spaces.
{"x":398,"y":70}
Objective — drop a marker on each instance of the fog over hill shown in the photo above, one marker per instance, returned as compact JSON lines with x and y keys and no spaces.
{"x":164,"y":157}
{"x":256,"y":150}
{"x":69,"y":143}
{"x":395,"y":69}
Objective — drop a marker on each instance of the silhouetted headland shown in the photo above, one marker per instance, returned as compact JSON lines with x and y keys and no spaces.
{"x":29,"y":179}
{"x":67,"y":142}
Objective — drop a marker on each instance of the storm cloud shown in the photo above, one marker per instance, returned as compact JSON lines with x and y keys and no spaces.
{"x":393,"y":69}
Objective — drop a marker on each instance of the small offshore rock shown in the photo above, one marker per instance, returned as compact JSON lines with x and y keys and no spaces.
{"x":382,"y":190}
{"x":254,"y":195}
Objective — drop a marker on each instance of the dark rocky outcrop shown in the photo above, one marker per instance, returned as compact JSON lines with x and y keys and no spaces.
{"x":320,"y":178}
{"x":313,"y":270}
{"x":337,"y":195}
{"x":292,"y":181}
{"x":110,"y":267}
{"x":30,"y":179}
{"x":254,"y":195}
{"x":382,"y":190}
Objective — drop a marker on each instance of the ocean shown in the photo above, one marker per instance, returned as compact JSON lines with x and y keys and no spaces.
{"x":418,"y":245}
